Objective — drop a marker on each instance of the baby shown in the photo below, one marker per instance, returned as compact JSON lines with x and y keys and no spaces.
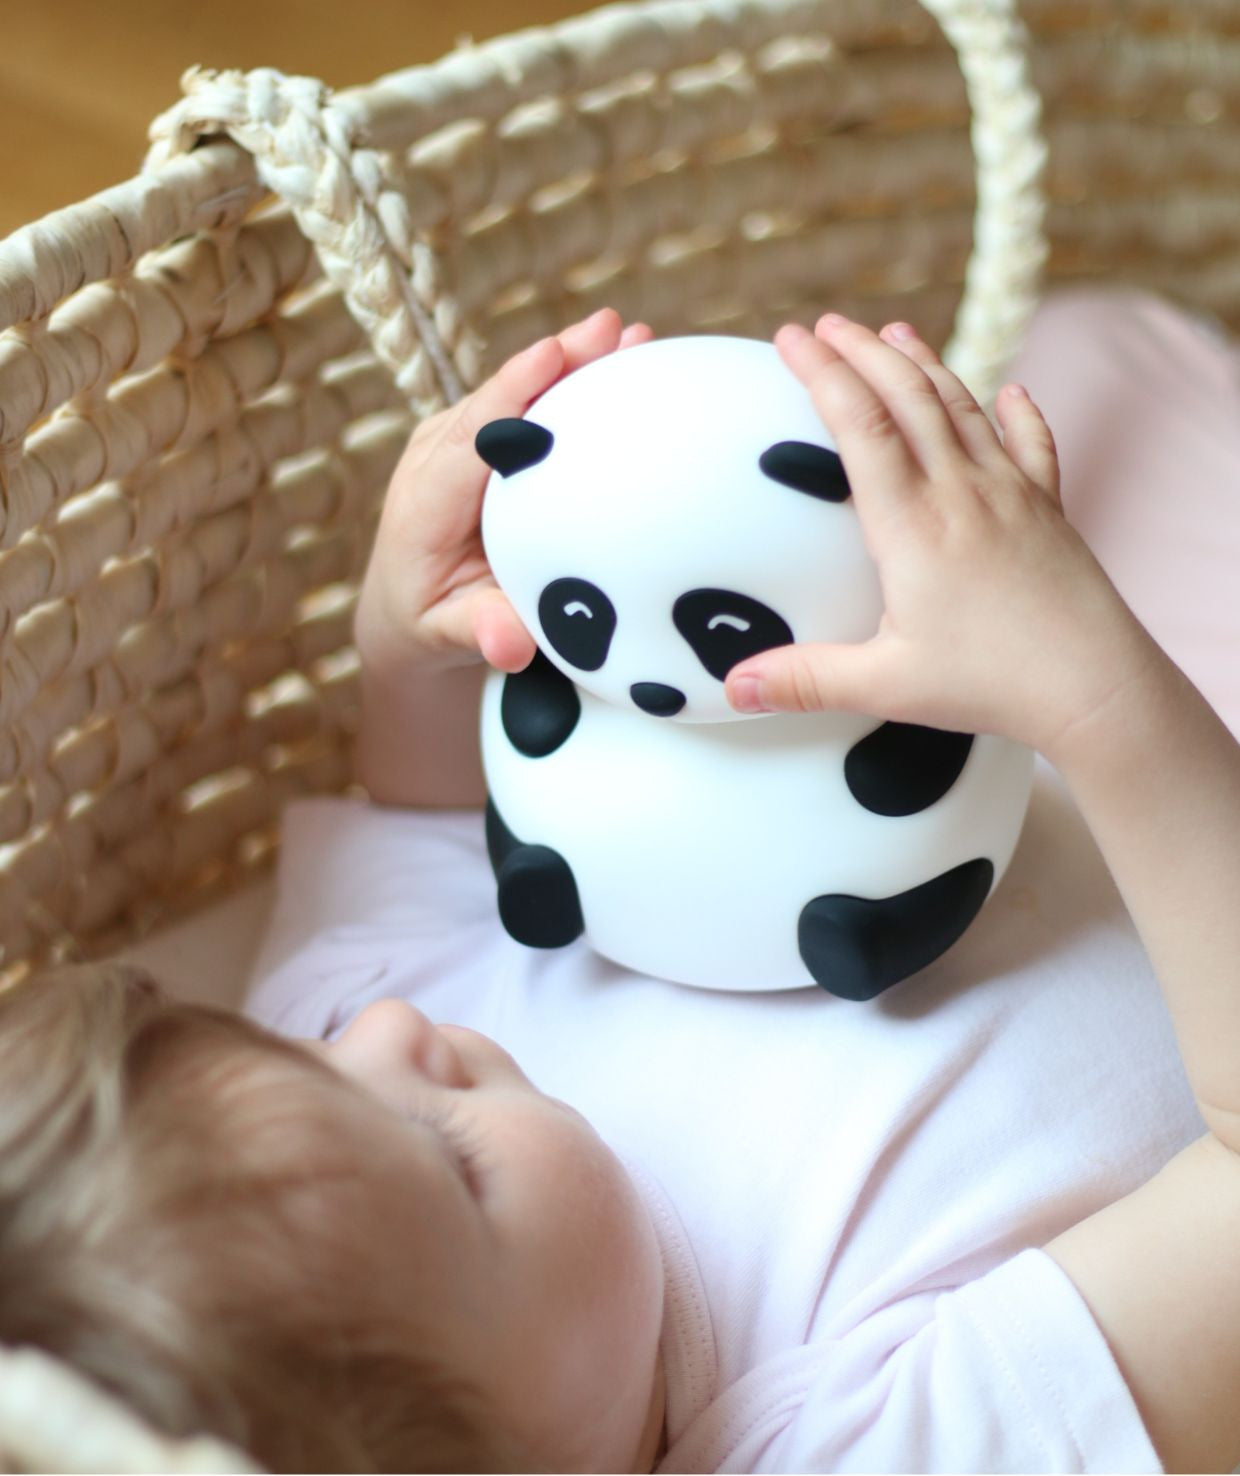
{"x":978,"y":1224}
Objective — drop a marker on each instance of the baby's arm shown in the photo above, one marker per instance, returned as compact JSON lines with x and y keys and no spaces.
{"x":1157,"y":777}
{"x":998,"y":619}
{"x":429,"y":610}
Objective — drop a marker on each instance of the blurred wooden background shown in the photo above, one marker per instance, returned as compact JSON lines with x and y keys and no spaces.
{"x":81,"y":79}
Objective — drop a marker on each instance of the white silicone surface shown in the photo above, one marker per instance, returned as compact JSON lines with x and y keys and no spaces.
{"x":695,"y":840}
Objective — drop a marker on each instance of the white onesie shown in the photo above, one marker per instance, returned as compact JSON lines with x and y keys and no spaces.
{"x":859,"y":1184}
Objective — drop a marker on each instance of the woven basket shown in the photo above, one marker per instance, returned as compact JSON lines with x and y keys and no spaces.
{"x":208,"y":372}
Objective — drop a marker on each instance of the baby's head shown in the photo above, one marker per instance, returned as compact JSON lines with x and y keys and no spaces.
{"x":390,"y":1253}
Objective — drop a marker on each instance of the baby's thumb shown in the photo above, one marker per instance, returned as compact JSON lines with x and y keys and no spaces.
{"x":804,"y":678}
{"x":500,"y":638}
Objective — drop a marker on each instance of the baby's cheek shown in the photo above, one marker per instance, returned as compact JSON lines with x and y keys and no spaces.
{"x":625,"y":1268}
{"x":584,"y":1278}
{"x":579,"y":1214}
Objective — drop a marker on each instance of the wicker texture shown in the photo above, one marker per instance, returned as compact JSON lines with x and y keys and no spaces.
{"x":193,"y":446}
{"x":681,"y":160}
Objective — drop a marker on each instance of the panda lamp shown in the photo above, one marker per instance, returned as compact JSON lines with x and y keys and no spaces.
{"x":657,"y":517}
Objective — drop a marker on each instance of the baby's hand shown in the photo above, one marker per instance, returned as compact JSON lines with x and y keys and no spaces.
{"x":429,"y":599}
{"x":997,"y":618}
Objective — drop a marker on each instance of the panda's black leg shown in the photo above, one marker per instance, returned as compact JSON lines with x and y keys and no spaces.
{"x":500,"y":840}
{"x":538,"y":902}
{"x":856,"y":947}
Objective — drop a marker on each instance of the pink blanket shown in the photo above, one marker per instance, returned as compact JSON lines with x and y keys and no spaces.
{"x":1144,"y":401}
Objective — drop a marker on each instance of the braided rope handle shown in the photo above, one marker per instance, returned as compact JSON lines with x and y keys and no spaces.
{"x":306,"y":151}
{"x":1009,"y":151}
{"x":304,"y":155}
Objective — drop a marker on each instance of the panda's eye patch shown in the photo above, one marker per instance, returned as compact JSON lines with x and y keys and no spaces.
{"x":724,"y":627}
{"x":807,"y":468}
{"x":579,"y":621}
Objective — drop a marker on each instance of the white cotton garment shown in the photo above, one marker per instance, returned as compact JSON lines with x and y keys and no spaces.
{"x":851,"y":1198}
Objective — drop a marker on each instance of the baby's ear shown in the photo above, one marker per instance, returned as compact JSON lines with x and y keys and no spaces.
{"x":509,"y":446}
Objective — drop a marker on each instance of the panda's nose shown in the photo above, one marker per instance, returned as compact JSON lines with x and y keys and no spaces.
{"x":657,"y":699}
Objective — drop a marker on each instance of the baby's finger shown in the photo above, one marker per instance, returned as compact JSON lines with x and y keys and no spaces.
{"x":512,"y":387}
{"x":1027,"y":439}
{"x":480,"y":621}
{"x":447,"y":502}
{"x":510,"y":391}
{"x":871,"y":444}
{"x":591,"y":339}
{"x":812,"y":677}
{"x":499,"y":634}
{"x":636,"y":333}
{"x":972,"y":424}
{"x":909,"y":394}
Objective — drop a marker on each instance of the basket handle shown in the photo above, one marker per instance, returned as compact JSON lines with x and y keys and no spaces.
{"x":1009,"y":152}
{"x":295,"y":139}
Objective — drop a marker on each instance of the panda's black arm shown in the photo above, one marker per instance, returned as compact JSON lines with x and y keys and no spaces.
{"x":417,"y":740}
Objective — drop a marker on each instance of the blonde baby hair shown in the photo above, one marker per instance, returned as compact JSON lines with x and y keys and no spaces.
{"x":175,"y":1225}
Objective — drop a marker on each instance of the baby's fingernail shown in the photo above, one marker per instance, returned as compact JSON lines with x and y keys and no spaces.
{"x":795,"y":332}
{"x":746,"y":694}
{"x":903,"y":331}
{"x":534,"y":349}
{"x":1017,"y":391}
{"x":588,"y":319}
{"x":832,"y":320}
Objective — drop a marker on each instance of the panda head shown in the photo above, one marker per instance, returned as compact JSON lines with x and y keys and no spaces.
{"x":669,"y":510}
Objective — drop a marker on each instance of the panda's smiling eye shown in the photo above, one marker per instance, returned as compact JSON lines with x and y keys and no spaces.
{"x":724,"y":627}
{"x":579,"y":621}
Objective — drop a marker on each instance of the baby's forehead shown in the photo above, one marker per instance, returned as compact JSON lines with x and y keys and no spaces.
{"x":298,"y":1103}
{"x":273,"y":1120}
{"x":300,"y":1177}
{"x":256,"y":1108}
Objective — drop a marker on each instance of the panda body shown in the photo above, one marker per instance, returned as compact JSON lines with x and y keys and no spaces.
{"x":656,"y":517}
{"x":695,"y":847}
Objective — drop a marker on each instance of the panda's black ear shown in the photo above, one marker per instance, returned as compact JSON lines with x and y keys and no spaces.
{"x":807,"y":468}
{"x":511,"y":445}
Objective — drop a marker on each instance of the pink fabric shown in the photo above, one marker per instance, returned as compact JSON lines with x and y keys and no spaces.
{"x":1144,"y":402}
